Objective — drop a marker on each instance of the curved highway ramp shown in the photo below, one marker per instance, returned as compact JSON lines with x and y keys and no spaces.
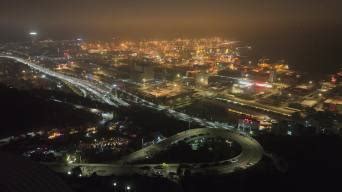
{"x":251,"y":154}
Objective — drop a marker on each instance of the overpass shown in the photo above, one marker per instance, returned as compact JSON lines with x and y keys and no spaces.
{"x":105,"y":93}
{"x":172,"y":113}
{"x":251,"y":154}
{"x":88,"y":86}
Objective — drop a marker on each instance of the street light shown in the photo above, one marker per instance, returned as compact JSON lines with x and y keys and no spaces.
{"x":33,"y":36}
{"x":33,"y":33}
{"x":128,"y":187}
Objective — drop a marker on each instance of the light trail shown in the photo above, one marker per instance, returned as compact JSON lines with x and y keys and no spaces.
{"x":107,"y":97}
{"x":98,"y":92}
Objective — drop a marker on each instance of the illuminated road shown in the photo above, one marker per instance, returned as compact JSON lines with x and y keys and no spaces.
{"x":90,"y":87}
{"x":106,"y":95}
{"x":251,"y":154}
{"x":258,"y":106}
{"x":175,"y":114}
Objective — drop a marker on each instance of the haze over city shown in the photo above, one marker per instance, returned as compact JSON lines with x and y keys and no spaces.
{"x":154,"y":95}
{"x":287,"y":29}
{"x":168,"y":18}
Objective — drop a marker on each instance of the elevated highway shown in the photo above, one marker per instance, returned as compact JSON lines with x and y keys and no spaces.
{"x":251,"y":154}
{"x":88,"y":86}
{"x":108,"y":94}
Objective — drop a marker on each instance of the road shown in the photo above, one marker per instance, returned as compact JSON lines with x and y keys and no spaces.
{"x":86,"y":85}
{"x":173,"y":113}
{"x":258,"y":106}
{"x":107,"y":93}
{"x":251,"y":154}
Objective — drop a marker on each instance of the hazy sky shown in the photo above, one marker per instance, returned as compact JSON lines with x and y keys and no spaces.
{"x":307,"y":33}
{"x":165,"y":17}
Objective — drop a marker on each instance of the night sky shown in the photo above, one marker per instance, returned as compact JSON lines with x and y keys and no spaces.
{"x":167,"y":18}
{"x":272,"y":23}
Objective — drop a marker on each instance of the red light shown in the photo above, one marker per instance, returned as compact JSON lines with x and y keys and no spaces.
{"x":267,"y":85}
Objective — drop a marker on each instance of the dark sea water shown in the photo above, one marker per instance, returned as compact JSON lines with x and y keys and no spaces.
{"x":316,"y":52}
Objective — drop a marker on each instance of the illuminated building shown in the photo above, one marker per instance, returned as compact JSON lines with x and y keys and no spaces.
{"x":248,"y":126}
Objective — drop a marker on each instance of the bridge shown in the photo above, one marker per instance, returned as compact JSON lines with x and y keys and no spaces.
{"x":100,"y":93}
{"x":108,"y":94}
{"x":251,"y":154}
